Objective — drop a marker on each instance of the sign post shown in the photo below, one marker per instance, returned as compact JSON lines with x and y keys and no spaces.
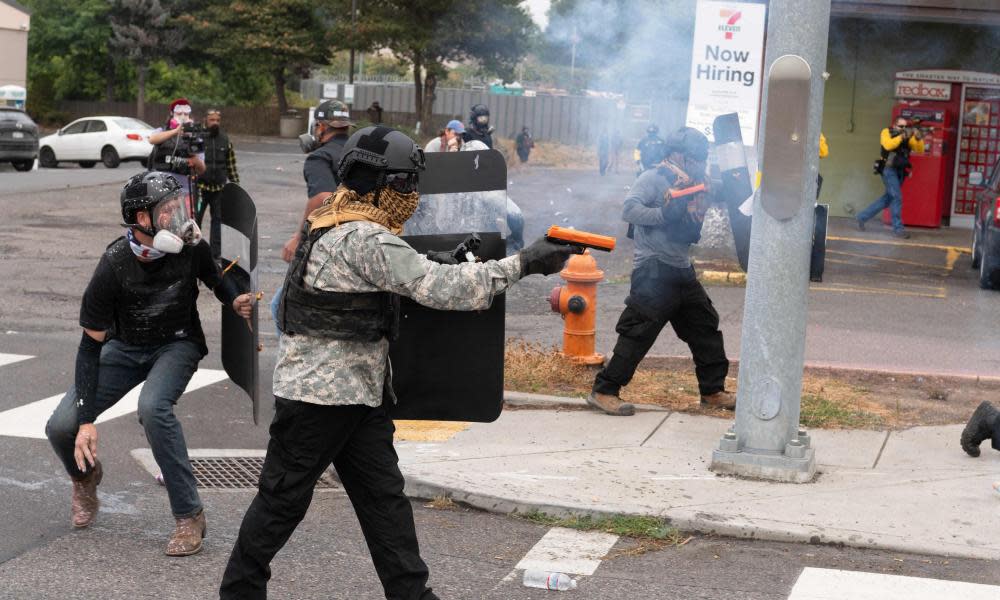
{"x":767,"y":442}
{"x":726,"y":65}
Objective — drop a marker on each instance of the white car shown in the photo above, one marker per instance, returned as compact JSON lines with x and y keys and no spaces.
{"x":110,"y":140}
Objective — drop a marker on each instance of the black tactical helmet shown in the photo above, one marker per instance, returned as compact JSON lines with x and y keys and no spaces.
{"x":689,"y":142}
{"x":478,"y":110}
{"x":382,"y":150}
{"x":144,"y":191}
{"x":334,"y":112}
{"x":652,"y":129}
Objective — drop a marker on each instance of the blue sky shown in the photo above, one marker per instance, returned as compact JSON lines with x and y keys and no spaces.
{"x":538,"y":10}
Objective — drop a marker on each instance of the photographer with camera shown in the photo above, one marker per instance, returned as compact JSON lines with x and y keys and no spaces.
{"x":179,"y":147}
{"x":897,"y":142}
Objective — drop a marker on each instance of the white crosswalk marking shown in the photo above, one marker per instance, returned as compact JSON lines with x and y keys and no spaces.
{"x":28,"y":421}
{"x":9,"y":359}
{"x":568,"y":551}
{"x":833,"y":584}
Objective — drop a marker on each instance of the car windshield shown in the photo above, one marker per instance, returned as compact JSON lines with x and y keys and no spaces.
{"x":16,"y":116}
{"x":130,"y":123}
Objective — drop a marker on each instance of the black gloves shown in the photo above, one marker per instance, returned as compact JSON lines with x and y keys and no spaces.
{"x":544,"y":257}
{"x":461,"y":253}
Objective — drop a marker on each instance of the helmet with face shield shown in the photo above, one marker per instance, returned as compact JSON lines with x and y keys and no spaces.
{"x":165,"y":201}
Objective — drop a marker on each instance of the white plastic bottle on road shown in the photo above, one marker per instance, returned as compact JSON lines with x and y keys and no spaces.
{"x":548,"y":581}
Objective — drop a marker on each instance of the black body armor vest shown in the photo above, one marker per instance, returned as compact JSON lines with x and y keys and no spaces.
{"x":216,"y":156}
{"x":362,"y":316}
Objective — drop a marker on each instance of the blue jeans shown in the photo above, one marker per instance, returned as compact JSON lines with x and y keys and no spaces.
{"x":893,"y":198}
{"x":166,"y":370}
{"x":275,"y":301}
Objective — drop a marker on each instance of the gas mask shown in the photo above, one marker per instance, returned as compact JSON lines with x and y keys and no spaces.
{"x":309,"y":142}
{"x":173,"y":226}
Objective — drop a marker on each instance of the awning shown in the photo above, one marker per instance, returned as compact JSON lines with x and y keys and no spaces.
{"x":964,"y":12}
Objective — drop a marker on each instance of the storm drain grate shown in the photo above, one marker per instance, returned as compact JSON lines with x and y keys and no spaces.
{"x":234,"y":472}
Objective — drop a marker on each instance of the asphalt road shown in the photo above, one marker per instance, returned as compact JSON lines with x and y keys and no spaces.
{"x":909,"y":306}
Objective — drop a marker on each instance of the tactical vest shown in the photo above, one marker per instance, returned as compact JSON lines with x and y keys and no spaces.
{"x":361,"y":316}
{"x":157,"y":304}
{"x":216,"y":157}
{"x":898,"y":158}
{"x":160,"y":156}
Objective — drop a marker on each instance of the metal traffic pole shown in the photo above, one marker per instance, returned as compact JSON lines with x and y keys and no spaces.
{"x":766,"y":441}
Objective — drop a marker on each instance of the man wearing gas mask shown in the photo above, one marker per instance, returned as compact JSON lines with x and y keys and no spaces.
{"x":332,"y":381}
{"x":324,"y":146}
{"x":479,"y":126}
{"x":220,"y":168}
{"x":666,"y":206}
{"x":140,"y":324}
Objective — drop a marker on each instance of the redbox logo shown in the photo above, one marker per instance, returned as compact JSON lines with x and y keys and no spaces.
{"x":923,"y":90}
{"x":730,"y":26}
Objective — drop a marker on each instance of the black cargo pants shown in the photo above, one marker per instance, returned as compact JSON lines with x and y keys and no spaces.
{"x":305,"y":439}
{"x":662,"y":294}
{"x":212,"y":202}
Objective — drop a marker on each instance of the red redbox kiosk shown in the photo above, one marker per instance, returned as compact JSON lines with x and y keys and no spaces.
{"x":930,"y":180}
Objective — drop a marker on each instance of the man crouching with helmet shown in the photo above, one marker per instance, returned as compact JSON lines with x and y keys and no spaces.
{"x":140,"y":324}
{"x":332,"y":380}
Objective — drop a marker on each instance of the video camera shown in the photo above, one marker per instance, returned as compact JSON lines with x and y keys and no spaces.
{"x":192,"y":139}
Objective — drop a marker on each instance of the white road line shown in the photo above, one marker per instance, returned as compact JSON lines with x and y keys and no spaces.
{"x":568,"y":551}
{"x":833,"y":584}
{"x":9,"y":359}
{"x":28,"y":421}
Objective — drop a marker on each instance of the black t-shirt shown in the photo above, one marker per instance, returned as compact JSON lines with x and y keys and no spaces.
{"x":150,"y":303}
{"x":320,"y":169}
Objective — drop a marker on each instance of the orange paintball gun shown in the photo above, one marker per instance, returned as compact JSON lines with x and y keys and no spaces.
{"x":583,"y":239}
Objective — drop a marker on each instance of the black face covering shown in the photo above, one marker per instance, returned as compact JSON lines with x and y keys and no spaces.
{"x":213,"y":130}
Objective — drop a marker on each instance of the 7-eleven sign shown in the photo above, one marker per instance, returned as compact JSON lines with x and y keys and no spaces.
{"x":731,"y":17}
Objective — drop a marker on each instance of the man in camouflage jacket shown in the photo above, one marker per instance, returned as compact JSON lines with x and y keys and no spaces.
{"x":333,"y":377}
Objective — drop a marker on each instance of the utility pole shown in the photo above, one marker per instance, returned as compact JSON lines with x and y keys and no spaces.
{"x":767,"y":442}
{"x":354,"y":33}
{"x":572,"y":58}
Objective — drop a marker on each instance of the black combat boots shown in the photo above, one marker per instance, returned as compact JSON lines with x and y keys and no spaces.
{"x":980,"y":427}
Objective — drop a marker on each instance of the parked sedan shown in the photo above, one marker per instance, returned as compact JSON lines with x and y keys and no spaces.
{"x":18,"y":138}
{"x":986,"y":230}
{"x":110,"y":140}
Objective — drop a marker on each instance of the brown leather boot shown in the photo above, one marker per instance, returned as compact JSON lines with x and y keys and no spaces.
{"x":85,"y":502}
{"x":187,"y":536}
{"x":723,"y":399}
{"x":611,"y":405}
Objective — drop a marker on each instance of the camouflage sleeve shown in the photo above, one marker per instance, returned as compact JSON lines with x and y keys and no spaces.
{"x":398,"y":268}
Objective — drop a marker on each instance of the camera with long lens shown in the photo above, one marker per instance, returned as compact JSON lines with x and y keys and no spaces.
{"x":173,"y":154}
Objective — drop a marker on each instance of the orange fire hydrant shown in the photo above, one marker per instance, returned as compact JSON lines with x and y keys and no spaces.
{"x":577,"y":303}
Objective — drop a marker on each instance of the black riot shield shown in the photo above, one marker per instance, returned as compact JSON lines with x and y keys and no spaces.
{"x":239,"y":260}
{"x":736,"y":185}
{"x":448,"y":365}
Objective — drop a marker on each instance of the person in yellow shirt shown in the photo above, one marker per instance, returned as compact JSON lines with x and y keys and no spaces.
{"x":897,"y":142}
{"x":824,"y":151}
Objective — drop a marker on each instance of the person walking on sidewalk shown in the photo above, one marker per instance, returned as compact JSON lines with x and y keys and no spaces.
{"x":897,"y":143}
{"x":332,"y":380}
{"x":140,"y":324}
{"x":665,"y":288}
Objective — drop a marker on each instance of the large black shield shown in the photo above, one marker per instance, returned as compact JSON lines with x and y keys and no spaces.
{"x":448,"y":365}
{"x":239,"y":260}
{"x":730,"y":156}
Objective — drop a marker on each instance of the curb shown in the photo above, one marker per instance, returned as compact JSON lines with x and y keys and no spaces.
{"x":699,"y":522}
{"x":546,"y":401}
{"x":730,"y":277}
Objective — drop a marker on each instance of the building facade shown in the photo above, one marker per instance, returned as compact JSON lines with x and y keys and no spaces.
{"x":15,"y":22}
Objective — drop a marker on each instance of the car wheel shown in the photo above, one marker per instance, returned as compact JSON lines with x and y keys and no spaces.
{"x":987,"y":264}
{"x":22,"y":165}
{"x":976,"y":248}
{"x":47,"y":158}
{"x":110,"y":158}
{"x":87,"y":164}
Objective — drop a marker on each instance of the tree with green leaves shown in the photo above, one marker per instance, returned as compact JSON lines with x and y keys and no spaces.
{"x":428,"y":34}
{"x":143,"y":31}
{"x":278,"y":37}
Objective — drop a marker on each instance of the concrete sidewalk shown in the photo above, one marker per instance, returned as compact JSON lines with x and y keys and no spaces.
{"x":913,"y":490}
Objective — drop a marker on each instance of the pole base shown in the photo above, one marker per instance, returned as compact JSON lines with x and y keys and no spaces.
{"x":773,"y":467}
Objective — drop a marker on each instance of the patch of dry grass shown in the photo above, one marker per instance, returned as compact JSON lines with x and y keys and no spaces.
{"x":549,"y":154}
